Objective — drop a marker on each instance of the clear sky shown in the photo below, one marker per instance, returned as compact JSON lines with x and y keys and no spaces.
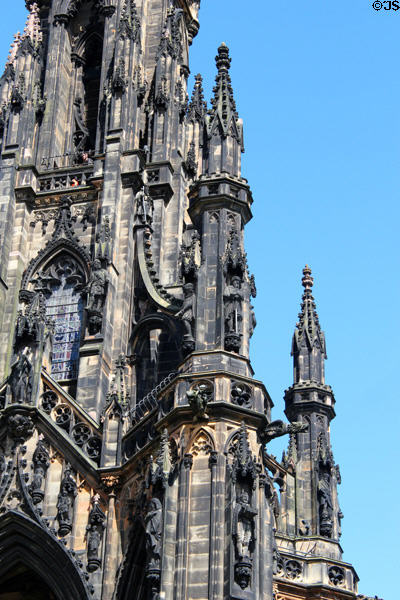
{"x":317,"y":83}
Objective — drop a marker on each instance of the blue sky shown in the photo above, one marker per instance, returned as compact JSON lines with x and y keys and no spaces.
{"x":318,"y":86}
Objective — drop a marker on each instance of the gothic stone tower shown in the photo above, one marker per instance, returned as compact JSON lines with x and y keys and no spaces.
{"x":133,"y":435}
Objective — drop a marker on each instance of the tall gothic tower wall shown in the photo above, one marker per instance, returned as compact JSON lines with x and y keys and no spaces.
{"x":132,"y":431}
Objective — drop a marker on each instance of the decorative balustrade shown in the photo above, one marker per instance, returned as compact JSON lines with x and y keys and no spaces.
{"x":66,"y":161}
{"x":150,"y":401}
{"x":67,"y":417}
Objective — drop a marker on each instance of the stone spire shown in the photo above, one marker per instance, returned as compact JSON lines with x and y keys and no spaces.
{"x":197,"y":106}
{"x":308,"y":345}
{"x":224,"y":128}
{"x":32,"y":27}
{"x":32,"y":34}
{"x":13,"y":49}
{"x":223,"y":103}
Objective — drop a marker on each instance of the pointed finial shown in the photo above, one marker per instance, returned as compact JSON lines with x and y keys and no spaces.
{"x":197,"y":106}
{"x":222,"y":59}
{"x":307,"y":280}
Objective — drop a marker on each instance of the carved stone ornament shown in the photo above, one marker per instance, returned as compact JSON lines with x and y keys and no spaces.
{"x":244,"y":526}
{"x":233,"y":314}
{"x":65,"y":502}
{"x":49,"y":401}
{"x":144,"y":207}
{"x":336,"y":576}
{"x":187,"y":315}
{"x":21,"y":380}
{"x":324,"y":490}
{"x":96,"y":291}
{"x":293,"y":569}
{"x":111,"y":484}
{"x":160,"y":470}
{"x":20,"y":427}
{"x":244,"y":466}
{"x":243,"y":569}
{"x":41,"y":462}
{"x":190,"y":258}
{"x":278,"y":428}
{"x":241,"y":394}
{"x":153,"y":527}
{"x":94,"y":534}
{"x":199,"y":396}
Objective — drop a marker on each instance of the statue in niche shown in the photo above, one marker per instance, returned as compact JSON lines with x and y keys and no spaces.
{"x":244,"y":526}
{"x":325,"y":503}
{"x":21,"y":379}
{"x":144,"y":207}
{"x":96,"y":287}
{"x":65,"y":503}
{"x":93,"y":544}
{"x":187,"y":313}
{"x":153,"y":526}
{"x":253,"y":321}
{"x":233,"y":298}
{"x":96,"y":290}
{"x":94,"y":531}
{"x":41,"y":462}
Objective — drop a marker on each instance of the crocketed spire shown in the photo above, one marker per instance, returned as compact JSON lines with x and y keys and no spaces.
{"x":308,"y":347}
{"x":197,"y":106}
{"x":32,"y":27}
{"x":31,"y":37}
{"x":223,"y":103}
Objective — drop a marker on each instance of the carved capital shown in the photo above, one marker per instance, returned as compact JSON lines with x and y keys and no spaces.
{"x":188,"y":461}
{"x":20,"y":427}
{"x":111,"y":484}
{"x":213,"y":460}
{"x":61,"y":19}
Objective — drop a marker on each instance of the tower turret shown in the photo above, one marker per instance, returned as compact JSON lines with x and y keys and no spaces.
{"x":224,"y":128}
{"x":311,"y":401}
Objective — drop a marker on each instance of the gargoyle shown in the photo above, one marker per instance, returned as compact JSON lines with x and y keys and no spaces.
{"x":275,"y":429}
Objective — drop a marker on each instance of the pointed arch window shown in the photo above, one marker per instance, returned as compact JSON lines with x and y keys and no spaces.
{"x":64,"y":306}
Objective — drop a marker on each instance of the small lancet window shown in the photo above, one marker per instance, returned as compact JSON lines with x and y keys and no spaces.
{"x":65,"y":308}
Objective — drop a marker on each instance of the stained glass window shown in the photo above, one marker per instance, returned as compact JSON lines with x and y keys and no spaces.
{"x":65,"y":308}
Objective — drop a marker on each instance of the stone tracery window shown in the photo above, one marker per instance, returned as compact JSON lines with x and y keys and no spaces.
{"x":64,"y":307}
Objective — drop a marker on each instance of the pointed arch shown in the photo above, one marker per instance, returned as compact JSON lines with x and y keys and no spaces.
{"x":22,"y":541}
{"x":131,"y":575}
{"x":201,"y":441}
{"x":231,"y":441}
{"x":155,"y":341}
{"x":54,"y":248}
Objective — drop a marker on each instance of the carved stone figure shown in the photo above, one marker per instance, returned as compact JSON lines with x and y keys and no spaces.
{"x":191,"y":258}
{"x":153,"y":524}
{"x":304,"y":528}
{"x":20,"y":427}
{"x":198,"y":398}
{"x":21,"y":380}
{"x":187,"y":313}
{"x":96,"y":290}
{"x":96,"y":287}
{"x":325,"y":504}
{"x":144,"y":207}
{"x":65,"y":503}
{"x":244,"y":526}
{"x":278,"y":428}
{"x":233,"y":298}
{"x":41,"y":462}
{"x":94,"y":534}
